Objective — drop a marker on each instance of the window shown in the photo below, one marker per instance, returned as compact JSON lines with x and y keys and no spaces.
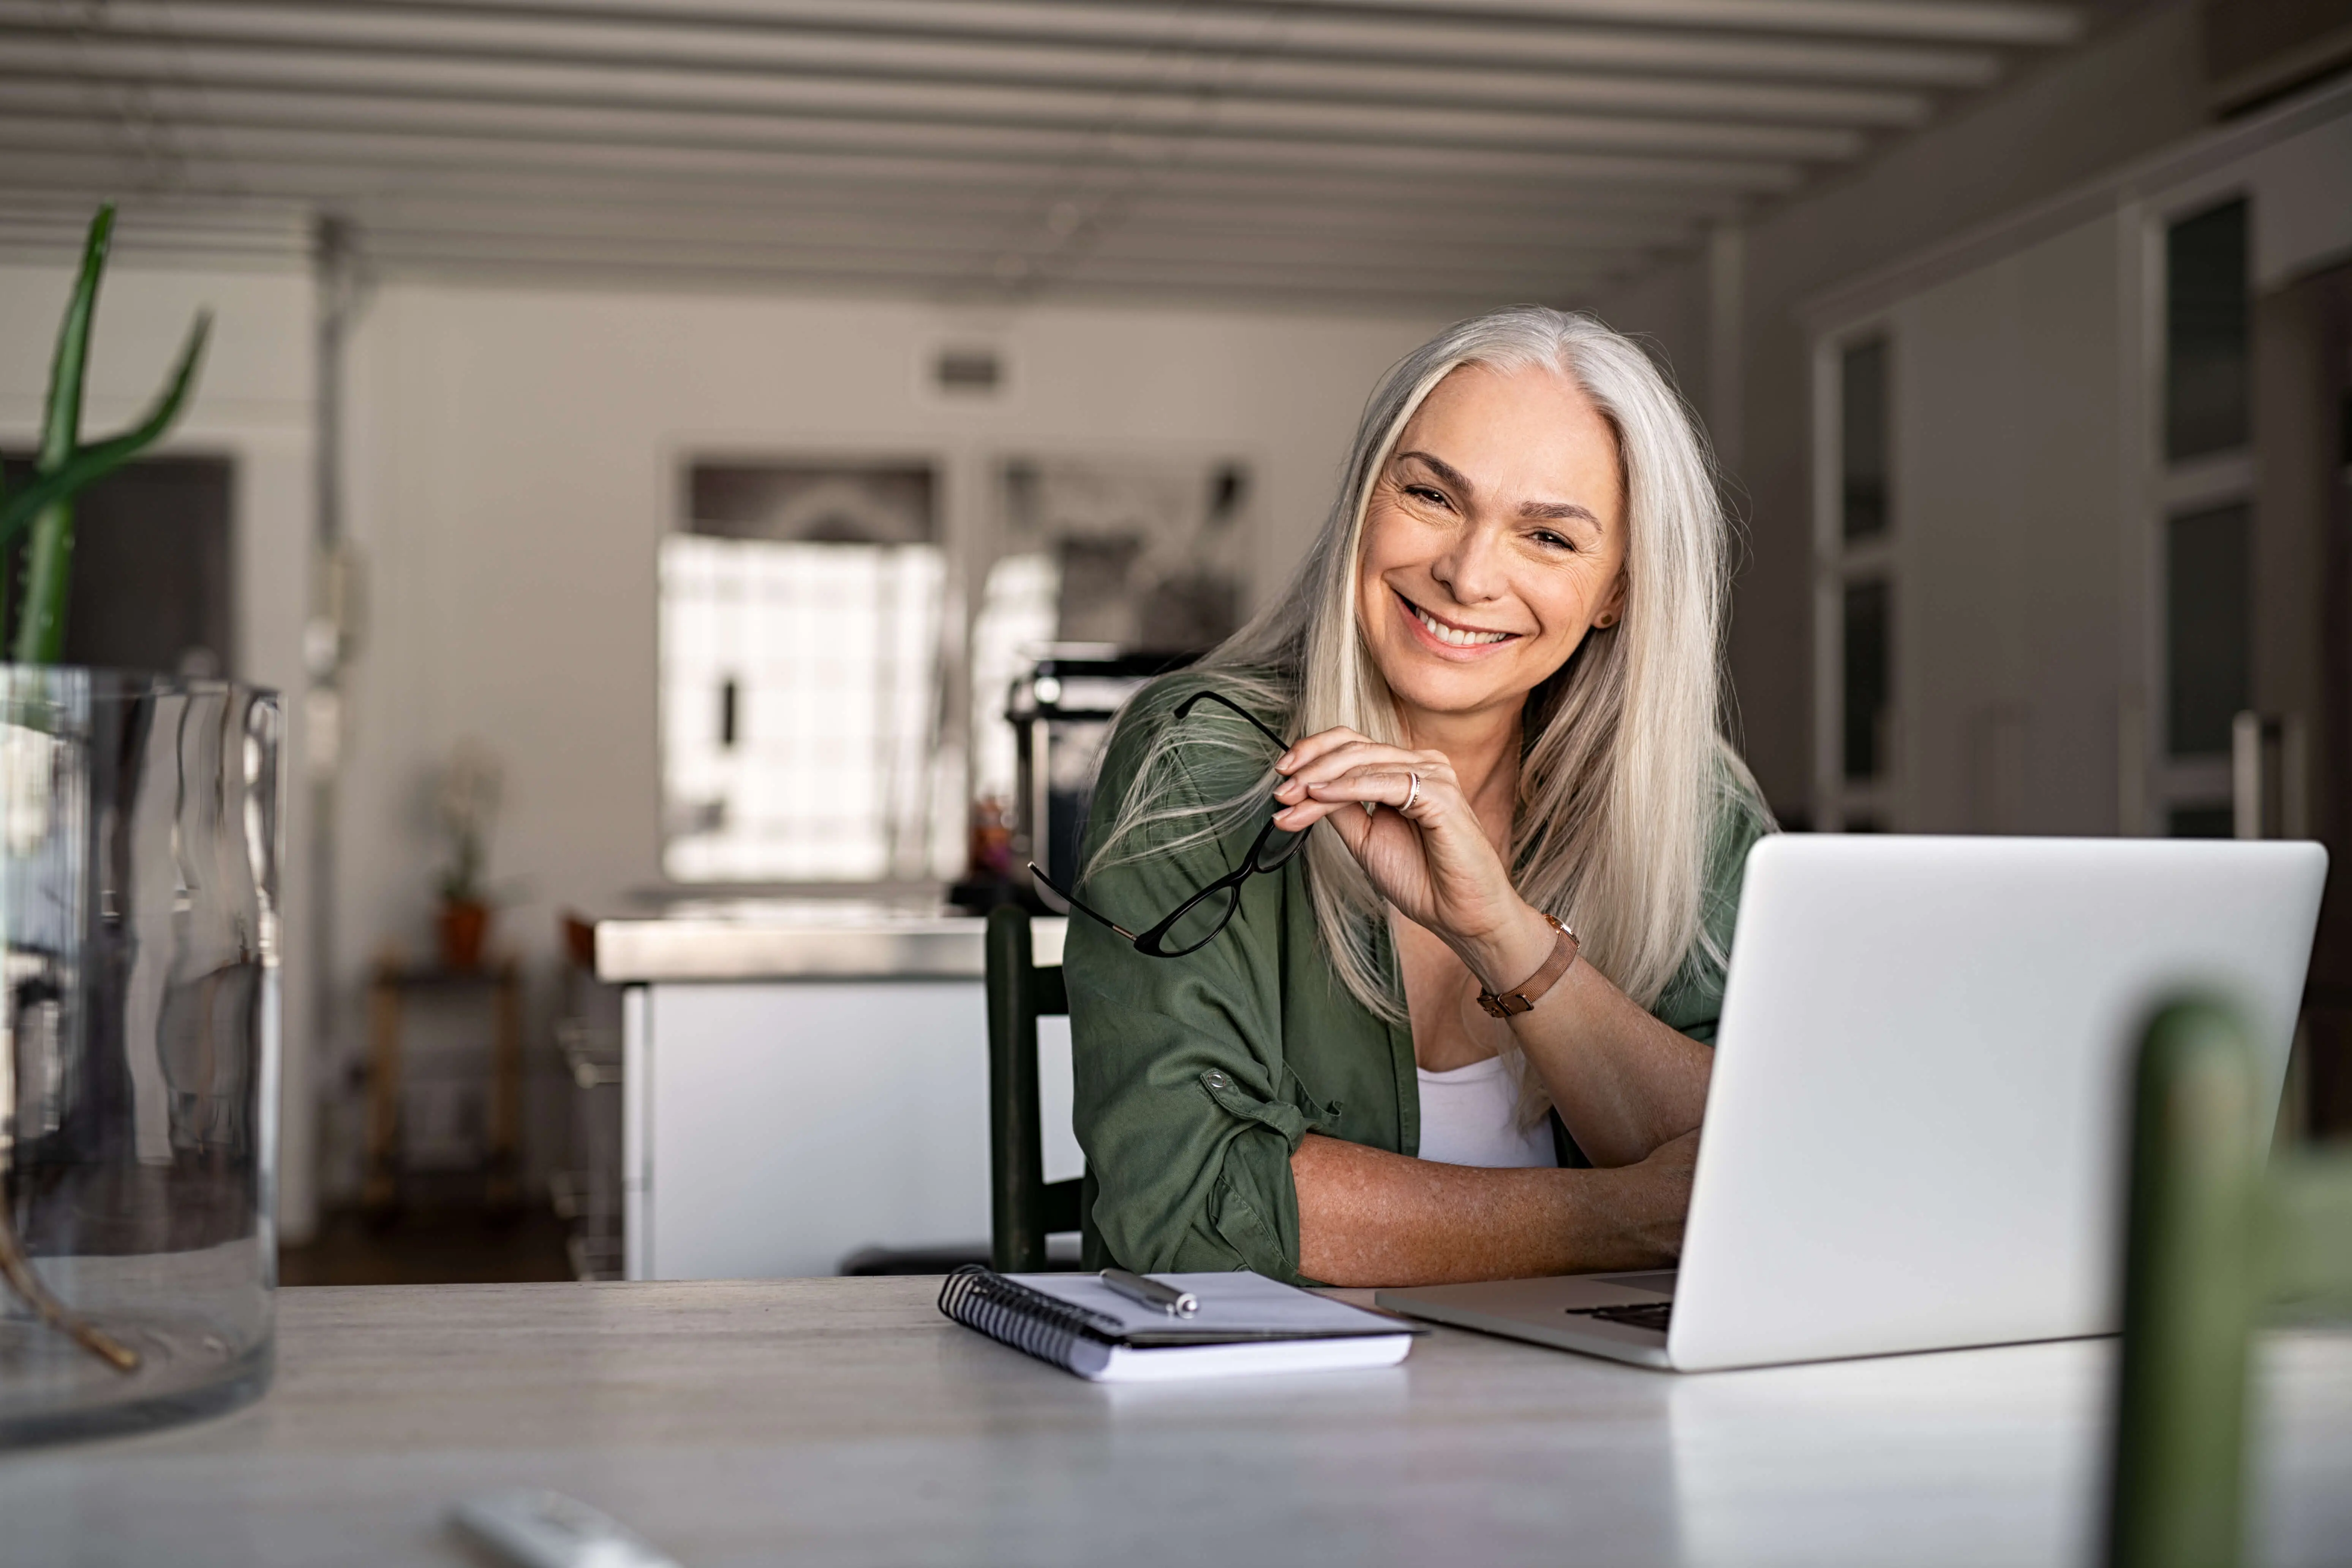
{"x":2206,"y":336}
{"x":1867,"y":686}
{"x":2208,"y":632}
{"x":800,"y":621}
{"x":2201,"y":523}
{"x":1857,"y":557}
{"x":1863,"y":462}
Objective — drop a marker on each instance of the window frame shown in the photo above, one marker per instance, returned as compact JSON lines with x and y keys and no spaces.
{"x":1841,"y":563}
{"x":2158,"y":785}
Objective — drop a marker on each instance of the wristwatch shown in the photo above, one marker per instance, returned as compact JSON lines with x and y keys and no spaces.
{"x":1524,"y":998}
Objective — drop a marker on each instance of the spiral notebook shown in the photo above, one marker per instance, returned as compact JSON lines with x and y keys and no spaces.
{"x":1246,"y":1323}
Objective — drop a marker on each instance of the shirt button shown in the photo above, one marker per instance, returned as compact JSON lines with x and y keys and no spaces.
{"x":1216,"y":1080}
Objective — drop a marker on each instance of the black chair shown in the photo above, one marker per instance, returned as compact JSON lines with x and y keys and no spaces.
{"x":1024,"y":1207}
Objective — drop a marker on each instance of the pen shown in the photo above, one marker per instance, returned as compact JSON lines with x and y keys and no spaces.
{"x":1152,"y":1293}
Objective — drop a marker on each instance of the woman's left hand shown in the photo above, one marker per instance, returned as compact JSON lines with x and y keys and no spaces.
{"x":1422,"y":845}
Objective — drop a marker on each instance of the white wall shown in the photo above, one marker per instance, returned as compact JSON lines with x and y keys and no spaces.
{"x":515,"y":460}
{"x":255,"y":405}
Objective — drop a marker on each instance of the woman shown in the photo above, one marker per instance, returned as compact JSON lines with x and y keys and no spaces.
{"x":1452,"y":1029}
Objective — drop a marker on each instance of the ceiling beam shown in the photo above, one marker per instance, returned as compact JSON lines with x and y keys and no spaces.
{"x":399,"y":251}
{"x":787,"y":239}
{"x":281,"y":231}
{"x":1262,"y":232}
{"x":1971,"y":21}
{"x":336,"y":170}
{"x":332,"y":178}
{"x":988,"y":235}
{"x":981,"y":255}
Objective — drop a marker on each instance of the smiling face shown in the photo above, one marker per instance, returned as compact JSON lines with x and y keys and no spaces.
{"x":1493,"y":541}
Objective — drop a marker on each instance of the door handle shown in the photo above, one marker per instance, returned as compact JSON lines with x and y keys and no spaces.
{"x":2270,"y":776}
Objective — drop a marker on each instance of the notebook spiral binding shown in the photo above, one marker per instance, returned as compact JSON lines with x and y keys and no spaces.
{"x":1029,"y":1320}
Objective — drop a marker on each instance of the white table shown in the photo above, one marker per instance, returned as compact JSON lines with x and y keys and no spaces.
{"x":843,"y":1421}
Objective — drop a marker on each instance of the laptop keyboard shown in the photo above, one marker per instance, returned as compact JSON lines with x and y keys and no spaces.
{"x":1645,"y":1315}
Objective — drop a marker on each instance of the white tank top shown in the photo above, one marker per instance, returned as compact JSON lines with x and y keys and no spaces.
{"x":1469,"y":1116}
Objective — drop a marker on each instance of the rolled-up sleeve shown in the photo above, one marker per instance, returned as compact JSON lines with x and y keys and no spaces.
{"x":1183,"y":1104}
{"x":1694,"y":1003}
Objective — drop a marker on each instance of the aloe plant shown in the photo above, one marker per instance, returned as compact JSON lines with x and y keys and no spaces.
{"x":65,"y":468}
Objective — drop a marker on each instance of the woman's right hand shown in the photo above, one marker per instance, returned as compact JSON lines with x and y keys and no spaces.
{"x":1404,"y":817}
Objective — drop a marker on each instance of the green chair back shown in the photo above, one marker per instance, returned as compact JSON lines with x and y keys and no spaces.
{"x":1024,"y":1207}
{"x":2215,"y":1234}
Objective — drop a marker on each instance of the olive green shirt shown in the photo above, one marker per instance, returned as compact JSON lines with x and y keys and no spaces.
{"x":1197,"y":1077}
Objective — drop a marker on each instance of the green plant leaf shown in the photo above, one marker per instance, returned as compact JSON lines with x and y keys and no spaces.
{"x":61,"y":420}
{"x":49,"y":557}
{"x":89,"y":463}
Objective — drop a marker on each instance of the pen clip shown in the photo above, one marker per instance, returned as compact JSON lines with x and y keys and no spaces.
{"x":1151,"y":1292}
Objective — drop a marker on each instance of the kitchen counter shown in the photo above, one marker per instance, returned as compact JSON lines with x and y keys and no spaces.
{"x":804,"y":939}
{"x":805,"y":1080}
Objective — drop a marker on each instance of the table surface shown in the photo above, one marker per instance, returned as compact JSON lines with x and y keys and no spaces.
{"x":803,"y":940}
{"x":844,"y":1421}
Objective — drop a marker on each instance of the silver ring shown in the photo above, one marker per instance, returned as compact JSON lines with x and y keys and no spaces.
{"x":1411,"y":794}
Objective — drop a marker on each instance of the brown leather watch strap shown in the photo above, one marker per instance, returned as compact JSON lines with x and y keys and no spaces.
{"x":1523,"y":998}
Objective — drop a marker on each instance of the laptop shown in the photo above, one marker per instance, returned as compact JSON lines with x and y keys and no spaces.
{"x":1915,"y":1131}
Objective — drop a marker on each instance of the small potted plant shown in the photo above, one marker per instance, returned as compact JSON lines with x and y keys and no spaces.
{"x":469,"y":803}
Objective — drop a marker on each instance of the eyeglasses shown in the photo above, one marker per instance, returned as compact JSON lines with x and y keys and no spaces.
{"x":1196,"y":921}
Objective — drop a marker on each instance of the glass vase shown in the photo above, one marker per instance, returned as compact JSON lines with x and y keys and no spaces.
{"x":139,"y":1048}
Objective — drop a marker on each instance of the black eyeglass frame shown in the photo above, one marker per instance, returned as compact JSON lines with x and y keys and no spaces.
{"x":1152,"y":942}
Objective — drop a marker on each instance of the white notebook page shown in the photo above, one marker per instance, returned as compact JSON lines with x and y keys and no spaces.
{"x":1242,"y":1302}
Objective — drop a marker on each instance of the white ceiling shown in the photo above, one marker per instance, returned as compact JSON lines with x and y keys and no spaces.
{"x":1369,"y":153}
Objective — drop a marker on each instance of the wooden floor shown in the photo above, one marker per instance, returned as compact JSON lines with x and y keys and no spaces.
{"x":436,"y":1247}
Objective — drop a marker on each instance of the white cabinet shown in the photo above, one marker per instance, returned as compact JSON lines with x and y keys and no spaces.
{"x":2011,"y":635}
{"x":775,"y":1125}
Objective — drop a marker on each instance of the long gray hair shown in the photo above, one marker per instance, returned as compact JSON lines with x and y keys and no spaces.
{"x":1624,"y":769}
